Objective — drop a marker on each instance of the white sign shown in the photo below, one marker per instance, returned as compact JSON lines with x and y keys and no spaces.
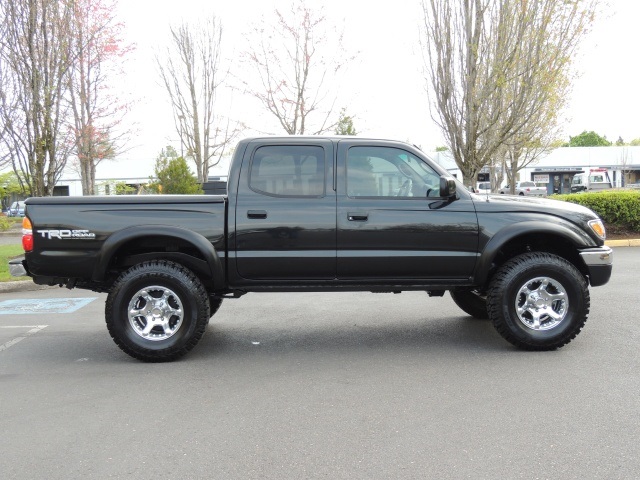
{"x":541,"y":178}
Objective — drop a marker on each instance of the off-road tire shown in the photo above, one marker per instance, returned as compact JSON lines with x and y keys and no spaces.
{"x":180,"y":285}
{"x":508,"y":290}
{"x":471,"y":303}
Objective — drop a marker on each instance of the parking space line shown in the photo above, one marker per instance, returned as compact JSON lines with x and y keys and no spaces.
{"x":34,"y":329}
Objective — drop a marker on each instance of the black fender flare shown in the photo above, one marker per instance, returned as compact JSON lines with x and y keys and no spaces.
{"x":119,"y":238}
{"x":576,"y":236}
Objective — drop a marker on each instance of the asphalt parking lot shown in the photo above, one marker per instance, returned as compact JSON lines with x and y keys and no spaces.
{"x":337,"y":386}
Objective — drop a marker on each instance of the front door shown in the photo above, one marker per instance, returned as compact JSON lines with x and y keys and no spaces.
{"x":392,"y":224}
{"x":286,"y":212}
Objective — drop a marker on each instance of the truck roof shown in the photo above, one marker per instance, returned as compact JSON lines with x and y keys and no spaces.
{"x":333,"y":138}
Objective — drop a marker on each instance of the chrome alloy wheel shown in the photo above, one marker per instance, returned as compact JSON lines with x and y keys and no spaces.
{"x":542,"y":303}
{"x":155,"y":313}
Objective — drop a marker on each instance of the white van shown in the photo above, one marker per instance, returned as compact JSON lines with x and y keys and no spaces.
{"x":594,"y":180}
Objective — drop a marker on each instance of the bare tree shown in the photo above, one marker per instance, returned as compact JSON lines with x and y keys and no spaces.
{"x":34,"y":61}
{"x":295,"y":59}
{"x":192,"y":75}
{"x":525,"y":149}
{"x":8,"y":117}
{"x":98,"y":49}
{"x":537,"y":137}
{"x":625,"y":162}
{"x":548,"y":45}
{"x":496,"y":68}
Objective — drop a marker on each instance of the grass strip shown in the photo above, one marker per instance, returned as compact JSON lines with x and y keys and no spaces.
{"x":8,"y":252}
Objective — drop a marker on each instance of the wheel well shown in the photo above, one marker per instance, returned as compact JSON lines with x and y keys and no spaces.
{"x":160,"y":247}
{"x":537,"y":242}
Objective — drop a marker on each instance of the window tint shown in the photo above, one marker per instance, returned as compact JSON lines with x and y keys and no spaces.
{"x":287,"y":170}
{"x":389,"y":172}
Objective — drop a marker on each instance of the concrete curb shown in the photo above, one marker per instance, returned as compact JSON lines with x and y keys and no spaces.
{"x":21,"y":286}
{"x":632,"y":242}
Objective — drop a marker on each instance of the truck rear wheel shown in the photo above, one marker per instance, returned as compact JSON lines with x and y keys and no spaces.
{"x":470,"y":302}
{"x":538,"y":301}
{"x":157,"y":311}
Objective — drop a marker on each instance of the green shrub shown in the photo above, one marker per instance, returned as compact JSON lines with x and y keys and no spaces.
{"x":615,"y":207}
{"x":5,"y":223}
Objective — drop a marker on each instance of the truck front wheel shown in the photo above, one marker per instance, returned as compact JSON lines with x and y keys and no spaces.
{"x":538,"y":301}
{"x":157,"y":311}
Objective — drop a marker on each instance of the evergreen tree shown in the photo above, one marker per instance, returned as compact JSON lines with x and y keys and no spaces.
{"x":173,"y":175}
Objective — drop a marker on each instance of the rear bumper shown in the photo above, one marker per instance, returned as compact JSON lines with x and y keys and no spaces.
{"x":17,"y":268}
{"x":599,"y":262}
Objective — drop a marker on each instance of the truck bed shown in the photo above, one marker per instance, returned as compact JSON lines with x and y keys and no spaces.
{"x":85,"y":226}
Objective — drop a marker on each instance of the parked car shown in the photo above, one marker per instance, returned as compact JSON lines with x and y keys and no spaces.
{"x":483,"y":188}
{"x":16,"y":209}
{"x":526,"y":189}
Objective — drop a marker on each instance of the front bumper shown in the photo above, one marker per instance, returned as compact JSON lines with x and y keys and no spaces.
{"x":599,"y":262}
{"x":16,"y":268}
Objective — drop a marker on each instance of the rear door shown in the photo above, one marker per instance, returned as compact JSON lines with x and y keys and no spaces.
{"x":286,"y":211}
{"x":392,"y":224}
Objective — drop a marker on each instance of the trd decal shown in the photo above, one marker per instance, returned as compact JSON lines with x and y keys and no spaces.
{"x":67,"y":234}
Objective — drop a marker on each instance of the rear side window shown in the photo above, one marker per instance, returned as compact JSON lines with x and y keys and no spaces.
{"x":288,"y":171}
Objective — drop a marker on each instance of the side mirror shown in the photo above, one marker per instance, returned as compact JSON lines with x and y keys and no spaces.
{"x":447,"y":187}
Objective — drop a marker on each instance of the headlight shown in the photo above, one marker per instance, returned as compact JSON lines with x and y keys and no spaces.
{"x":598,"y":227}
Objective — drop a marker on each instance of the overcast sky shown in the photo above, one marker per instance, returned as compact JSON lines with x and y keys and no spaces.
{"x":383,"y":88}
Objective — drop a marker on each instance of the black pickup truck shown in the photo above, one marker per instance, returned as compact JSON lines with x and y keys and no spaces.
{"x":320,"y":214}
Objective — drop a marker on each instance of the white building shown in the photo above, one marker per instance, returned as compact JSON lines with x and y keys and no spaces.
{"x":557,"y":168}
{"x":112,"y":174}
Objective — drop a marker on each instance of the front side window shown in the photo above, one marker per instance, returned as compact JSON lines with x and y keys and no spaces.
{"x":389,"y":172}
{"x":288,"y":170}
